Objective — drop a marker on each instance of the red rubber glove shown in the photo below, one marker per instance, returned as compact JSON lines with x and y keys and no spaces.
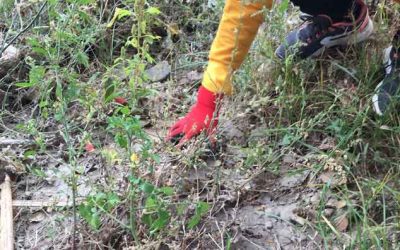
{"x":201,"y":117}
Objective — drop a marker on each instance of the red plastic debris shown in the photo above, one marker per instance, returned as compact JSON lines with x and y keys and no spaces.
{"x":89,"y":147}
{"x":120,"y":100}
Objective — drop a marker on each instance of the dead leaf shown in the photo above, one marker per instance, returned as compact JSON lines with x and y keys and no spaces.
{"x":173,"y":28}
{"x":342,"y":223}
{"x":327,"y":177}
{"x":327,"y":144}
{"x":37,"y":217}
{"x":341,"y":204}
{"x":333,"y":178}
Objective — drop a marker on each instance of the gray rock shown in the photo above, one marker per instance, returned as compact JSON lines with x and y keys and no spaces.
{"x":293,"y":180}
{"x":159,"y":72}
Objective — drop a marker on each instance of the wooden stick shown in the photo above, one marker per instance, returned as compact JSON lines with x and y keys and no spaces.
{"x":28,"y":203}
{"x":7,"y":223}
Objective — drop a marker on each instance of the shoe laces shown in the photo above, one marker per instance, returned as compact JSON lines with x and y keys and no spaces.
{"x":395,"y":59}
{"x":319,"y":25}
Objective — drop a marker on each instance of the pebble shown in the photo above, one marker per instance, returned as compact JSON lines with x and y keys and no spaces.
{"x":159,"y":72}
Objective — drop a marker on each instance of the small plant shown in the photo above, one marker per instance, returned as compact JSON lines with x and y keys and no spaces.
{"x":96,"y":205}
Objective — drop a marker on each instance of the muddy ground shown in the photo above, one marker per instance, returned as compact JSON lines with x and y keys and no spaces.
{"x":258,"y":208}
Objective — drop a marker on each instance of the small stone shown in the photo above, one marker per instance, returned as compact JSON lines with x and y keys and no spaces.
{"x":289,"y":159}
{"x":269,"y":225}
{"x":2,"y":95}
{"x":329,"y":212}
{"x":315,"y":199}
{"x":331,"y":203}
{"x":298,"y":220}
{"x":9,"y":54}
{"x":159,"y":72}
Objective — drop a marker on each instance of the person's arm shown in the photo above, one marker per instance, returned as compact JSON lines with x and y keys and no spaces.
{"x":236,"y":32}
{"x":238,"y":27}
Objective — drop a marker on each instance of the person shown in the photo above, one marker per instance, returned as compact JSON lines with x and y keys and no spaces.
{"x":328,"y":23}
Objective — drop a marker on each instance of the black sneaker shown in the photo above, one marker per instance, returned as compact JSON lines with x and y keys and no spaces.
{"x":320,"y":32}
{"x":387,"y":90}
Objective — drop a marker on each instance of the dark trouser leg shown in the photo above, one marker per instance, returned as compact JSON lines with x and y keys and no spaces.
{"x":396,"y":40}
{"x":336,"y":9}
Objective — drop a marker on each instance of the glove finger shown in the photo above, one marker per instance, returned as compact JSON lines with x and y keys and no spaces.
{"x":176,"y":129}
{"x":189,"y":134}
{"x":176,"y":139}
{"x":183,"y":141}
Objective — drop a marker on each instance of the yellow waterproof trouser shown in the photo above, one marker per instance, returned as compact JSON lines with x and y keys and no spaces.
{"x":236,"y":32}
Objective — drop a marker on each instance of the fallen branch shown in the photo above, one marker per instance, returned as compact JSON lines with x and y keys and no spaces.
{"x":13,"y":142}
{"x":7,"y":223}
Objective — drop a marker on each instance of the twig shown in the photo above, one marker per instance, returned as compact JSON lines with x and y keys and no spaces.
{"x":24,"y":30}
{"x":278,"y":245}
{"x":7,"y":224}
{"x":330,"y":226}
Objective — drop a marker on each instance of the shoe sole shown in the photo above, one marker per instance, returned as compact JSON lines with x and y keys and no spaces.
{"x":375,"y":104}
{"x":347,"y":39}
{"x":386,"y":62}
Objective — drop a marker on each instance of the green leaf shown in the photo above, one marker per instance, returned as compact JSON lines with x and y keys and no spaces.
{"x":118,"y":15}
{"x":24,"y":84}
{"x":161,"y":222}
{"x":194,"y":221}
{"x":201,"y":209}
{"x":90,"y":215}
{"x":43,"y":103}
{"x":147,"y":188}
{"x":59,"y":91}
{"x":125,"y":110}
{"x":283,"y":6}
{"x":112,"y":200}
{"x":167,"y":190}
{"x":29,"y":154}
{"x":287,"y":139}
{"x":36,"y":74}
{"x":153,"y":11}
{"x":121,"y":141}
{"x":181,"y":209}
{"x":38,"y":172}
{"x":151,"y":204}
{"x":40,"y":51}
{"x":147,"y":219}
{"x":84,"y":211}
{"x":81,"y":2}
{"x":94,"y":221}
{"x":82,"y":58}
{"x":110,"y":89}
